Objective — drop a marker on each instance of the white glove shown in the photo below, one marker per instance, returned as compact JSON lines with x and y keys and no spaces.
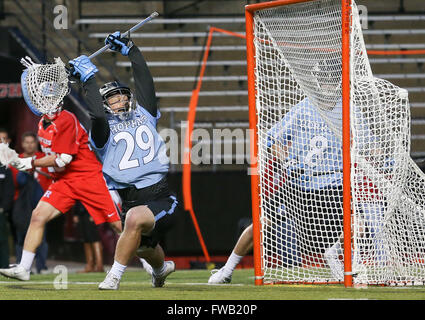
{"x":23,"y":164}
{"x":7,"y":155}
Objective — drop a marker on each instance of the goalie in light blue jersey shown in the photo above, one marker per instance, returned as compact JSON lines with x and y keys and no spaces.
{"x":314,"y":160}
{"x":313,"y":193}
{"x":313,"y":165}
{"x":135,"y":153}
{"x":124,"y":135}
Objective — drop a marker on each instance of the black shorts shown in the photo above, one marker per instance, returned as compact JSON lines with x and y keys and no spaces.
{"x":317,"y":215}
{"x":163,"y":204}
{"x":87,"y":228}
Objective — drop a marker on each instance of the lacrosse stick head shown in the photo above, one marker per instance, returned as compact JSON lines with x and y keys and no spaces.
{"x":44,"y":86}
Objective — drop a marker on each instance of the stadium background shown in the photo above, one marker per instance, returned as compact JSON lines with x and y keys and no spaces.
{"x":173,"y":45}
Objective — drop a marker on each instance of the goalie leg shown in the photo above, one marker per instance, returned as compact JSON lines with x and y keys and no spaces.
{"x":373,"y":213}
{"x":145,"y":224}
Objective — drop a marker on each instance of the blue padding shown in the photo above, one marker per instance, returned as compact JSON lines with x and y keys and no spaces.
{"x":26,"y":95}
{"x":171,"y":211}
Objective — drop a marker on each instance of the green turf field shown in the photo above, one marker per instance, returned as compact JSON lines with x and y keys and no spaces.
{"x":191,"y":284}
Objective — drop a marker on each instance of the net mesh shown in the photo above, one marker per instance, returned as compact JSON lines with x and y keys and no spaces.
{"x":299,"y":108}
{"x":44,"y":85}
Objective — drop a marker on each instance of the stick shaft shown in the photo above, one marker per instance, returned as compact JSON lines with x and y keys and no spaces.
{"x":134,"y":28}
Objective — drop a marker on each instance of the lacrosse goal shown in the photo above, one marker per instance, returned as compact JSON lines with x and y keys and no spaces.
{"x":335,"y":194}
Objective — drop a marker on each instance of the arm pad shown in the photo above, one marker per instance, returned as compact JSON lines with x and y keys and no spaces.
{"x":63,"y":159}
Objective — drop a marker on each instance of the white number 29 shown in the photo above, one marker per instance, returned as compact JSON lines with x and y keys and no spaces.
{"x":149,"y":144}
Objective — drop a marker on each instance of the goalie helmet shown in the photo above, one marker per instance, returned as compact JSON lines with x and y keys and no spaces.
{"x":110,"y":89}
{"x":44,"y":86}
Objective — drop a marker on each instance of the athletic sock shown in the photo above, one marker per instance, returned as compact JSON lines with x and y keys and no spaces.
{"x":27,"y":259}
{"x":159,"y":270}
{"x":231,"y":264}
{"x":118,"y":269}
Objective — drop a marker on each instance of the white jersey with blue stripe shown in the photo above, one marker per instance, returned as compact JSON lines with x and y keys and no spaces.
{"x":314,"y":156}
{"x":135,"y":153}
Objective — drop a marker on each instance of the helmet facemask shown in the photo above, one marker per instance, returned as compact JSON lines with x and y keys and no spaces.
{"x":120,"y":102}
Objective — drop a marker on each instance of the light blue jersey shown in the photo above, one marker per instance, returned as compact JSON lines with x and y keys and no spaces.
{"x":135,"y":153}
{"x":314,"y":155}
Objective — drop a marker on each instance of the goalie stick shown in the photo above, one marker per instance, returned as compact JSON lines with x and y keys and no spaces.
{"x":125,"y":34}
{"x":136,"y":27}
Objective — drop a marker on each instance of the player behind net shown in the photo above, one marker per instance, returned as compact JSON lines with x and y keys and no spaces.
{"x":306,"y":160}
{"x":125,"y":136}
{"x":76,"y":172}
{"x":303,"y":146}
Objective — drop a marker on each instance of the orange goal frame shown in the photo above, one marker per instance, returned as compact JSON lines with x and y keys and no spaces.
{"x":346,"y":24}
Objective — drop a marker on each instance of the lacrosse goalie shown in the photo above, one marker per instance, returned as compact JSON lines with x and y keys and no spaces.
{"x":125,"y":136}
{"x":76,"y":172}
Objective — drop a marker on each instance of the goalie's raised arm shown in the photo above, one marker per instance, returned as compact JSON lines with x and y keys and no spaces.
{"x":85,"y":71}
{"x":145,"y":89}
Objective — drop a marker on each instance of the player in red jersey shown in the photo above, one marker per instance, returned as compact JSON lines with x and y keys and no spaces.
{"x":76,"y":172}
{"x":32,"y":185}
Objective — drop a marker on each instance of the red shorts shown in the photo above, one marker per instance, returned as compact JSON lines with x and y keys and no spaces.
{"x":92,"y":192}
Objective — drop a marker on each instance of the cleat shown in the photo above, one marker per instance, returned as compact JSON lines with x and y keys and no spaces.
{"x":337,"y":268}
{"x":158,"y":280}
{"x":218,"y":276}
{"x":16,"y":272}
{"x":111,"y":282}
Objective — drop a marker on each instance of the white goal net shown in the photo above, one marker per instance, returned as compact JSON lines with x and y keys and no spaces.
{"x":298,"y":75}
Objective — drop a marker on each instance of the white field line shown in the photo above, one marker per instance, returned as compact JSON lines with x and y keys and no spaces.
{"x":123,"y":282}
{"x":190,"y":284}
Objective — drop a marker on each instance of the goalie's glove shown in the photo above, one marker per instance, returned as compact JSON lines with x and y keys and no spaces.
{"x":82,"y":68}
{"x":23,"y":164}
{"x":116,"y":43}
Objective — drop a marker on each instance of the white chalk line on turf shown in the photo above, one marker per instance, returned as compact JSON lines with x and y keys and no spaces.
{"x":124,"y":282}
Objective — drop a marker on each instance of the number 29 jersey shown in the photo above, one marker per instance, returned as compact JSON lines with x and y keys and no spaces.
{"x":135,"y":153}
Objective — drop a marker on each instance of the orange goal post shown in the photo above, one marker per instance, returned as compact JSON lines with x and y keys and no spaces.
{"x":336,"y":197}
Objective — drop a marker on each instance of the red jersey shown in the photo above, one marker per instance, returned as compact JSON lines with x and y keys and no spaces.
{"x":366,"y":190}
{"x":274,"y":180}
{"x":65,"y":134}
{"x":42,"y":175}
